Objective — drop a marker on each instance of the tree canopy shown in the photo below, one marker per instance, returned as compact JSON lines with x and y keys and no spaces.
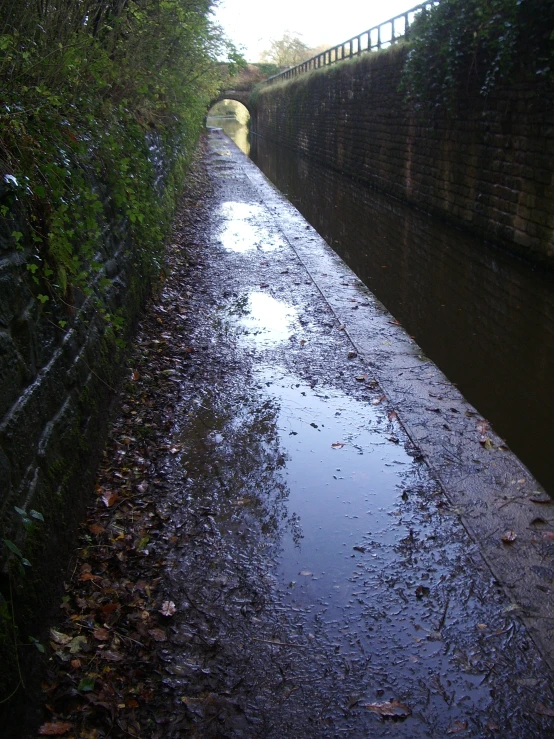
{"x":288,"y":51}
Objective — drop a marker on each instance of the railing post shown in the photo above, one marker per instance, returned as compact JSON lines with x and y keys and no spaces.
{"x":379,"y":38}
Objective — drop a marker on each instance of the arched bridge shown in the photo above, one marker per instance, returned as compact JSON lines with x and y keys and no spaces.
{"x":241,"y":96}
{"x":240,"y":88}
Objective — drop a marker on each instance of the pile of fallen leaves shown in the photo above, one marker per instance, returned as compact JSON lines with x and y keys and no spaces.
{"x":104,"y":652}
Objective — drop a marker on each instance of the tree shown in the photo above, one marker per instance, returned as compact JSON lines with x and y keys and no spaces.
{"x":287,"y":51}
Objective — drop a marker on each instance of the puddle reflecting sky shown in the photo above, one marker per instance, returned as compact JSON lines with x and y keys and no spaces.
{"x":244,"y":230}
{"x":342,"y":495}
{"x":265,"y":320}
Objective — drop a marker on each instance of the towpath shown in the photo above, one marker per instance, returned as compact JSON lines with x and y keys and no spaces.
{"x":297,"y":515}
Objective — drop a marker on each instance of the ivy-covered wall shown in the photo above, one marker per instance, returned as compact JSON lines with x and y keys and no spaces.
{"x":57,"y":386}
{"x":486,"y":164}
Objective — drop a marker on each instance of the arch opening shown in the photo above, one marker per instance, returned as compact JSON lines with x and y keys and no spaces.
{"x":233,"y":117}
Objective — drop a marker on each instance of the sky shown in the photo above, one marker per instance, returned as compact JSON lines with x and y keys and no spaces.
{"x":253,"y":23}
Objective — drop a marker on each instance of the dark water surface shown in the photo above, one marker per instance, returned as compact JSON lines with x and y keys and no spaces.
{"x":484,"y":317}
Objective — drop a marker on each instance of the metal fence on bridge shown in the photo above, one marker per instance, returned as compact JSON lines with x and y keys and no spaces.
{"x":379,"y":37}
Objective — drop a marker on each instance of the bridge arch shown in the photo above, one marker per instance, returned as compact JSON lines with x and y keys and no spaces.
{"x":240,"y":96}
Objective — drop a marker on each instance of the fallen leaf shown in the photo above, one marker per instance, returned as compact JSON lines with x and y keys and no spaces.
{"x":486,"y":443}
{"x":509,"y":536}
{"x":109,"y":499}
{"x":361,"y":378}
{"x":112,"y":656}
{"x":86,"y":685}
{"x":352,"y":355}
{"x":77,"y":644}
{"x":539,"y":497}
{"x":305,"y":573}
{"x":158,"y":634}
{"x":89,"y":576}
{"x":101,"y":634}
{"x":337,"y":445}
{"x":456,"y":727}
{"x":142,"y":543}
{"x":168,"y":608}
{"x":392,"y":415}
{"x":59,"y":638}
{"x":109,"y":608}
{"x":482,"y":427}
{"x":548,"y":534}
{"x":377,"y":401}
{"x":56,"y":728}
{"x":390,"y":708}
{"x":135,"y":376}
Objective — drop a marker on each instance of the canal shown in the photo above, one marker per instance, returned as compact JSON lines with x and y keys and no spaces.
{"x":485,"y":317}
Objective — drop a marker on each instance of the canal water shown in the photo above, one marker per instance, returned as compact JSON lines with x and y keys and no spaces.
{"x":483,"y":316}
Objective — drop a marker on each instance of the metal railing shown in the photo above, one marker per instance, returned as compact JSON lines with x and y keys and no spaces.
{"x":379,"y":37}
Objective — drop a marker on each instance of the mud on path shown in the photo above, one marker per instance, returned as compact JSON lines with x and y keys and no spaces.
{"x":269,"y":555}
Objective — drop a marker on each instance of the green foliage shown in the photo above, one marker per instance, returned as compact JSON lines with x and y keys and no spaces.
{"x":269,"y":69}
{"x":458,"y":44}
{"x":82,"y":85}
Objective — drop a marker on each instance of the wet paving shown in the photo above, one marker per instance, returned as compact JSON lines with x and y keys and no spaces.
{"x":324,"y":583}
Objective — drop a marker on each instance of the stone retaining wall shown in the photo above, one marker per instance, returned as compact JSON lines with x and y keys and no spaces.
{"x":57,"y":384}
{"x":487,"y":166}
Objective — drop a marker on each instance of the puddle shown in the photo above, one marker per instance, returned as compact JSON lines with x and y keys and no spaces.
{"x":342,"y":473}
{"x":265,"y":320}
{"x":244,"y":230}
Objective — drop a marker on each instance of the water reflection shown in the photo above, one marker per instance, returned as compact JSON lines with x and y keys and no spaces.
{"x":237,"y":131}
{"x":342,"y":473}
{"x":268,"y":321}
{"x":244,"y":228}
{"x":484,"y":317}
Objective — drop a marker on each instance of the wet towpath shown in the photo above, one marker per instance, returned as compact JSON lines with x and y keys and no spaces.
{"x":293,"y":512}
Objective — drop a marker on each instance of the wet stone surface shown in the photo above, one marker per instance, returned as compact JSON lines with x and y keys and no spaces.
{"x":338,"y":580}
{"x":322,"y":584}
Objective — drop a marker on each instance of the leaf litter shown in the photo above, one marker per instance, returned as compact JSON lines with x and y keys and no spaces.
{"x":165,"y":630}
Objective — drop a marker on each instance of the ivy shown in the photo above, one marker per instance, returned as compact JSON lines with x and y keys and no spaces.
{"x":456,"y":45}
{"x":83,"y":85}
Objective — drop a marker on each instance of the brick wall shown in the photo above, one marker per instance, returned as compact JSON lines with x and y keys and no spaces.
{"x":488,"y":166}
